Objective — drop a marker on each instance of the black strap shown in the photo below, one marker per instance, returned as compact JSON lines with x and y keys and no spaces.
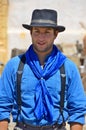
{"x":19,"y":75}
{"x":63,"y":84}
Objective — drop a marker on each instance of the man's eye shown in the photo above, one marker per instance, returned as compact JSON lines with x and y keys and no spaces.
{"x":36,"y":32}
{"x":47,"y":32}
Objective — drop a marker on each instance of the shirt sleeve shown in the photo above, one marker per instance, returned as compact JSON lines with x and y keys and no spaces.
{"x":76,"y":96}
{"x":7,"y":85}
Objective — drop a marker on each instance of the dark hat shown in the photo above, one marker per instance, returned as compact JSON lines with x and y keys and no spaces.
{"x":44,"y":18}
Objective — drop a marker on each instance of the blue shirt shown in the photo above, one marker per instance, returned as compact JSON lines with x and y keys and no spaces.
{"x":75,"y":99}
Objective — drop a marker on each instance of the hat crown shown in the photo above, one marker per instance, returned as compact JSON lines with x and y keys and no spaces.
{"x":44,"y":16}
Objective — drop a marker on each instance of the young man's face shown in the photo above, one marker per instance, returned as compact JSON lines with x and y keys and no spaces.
{"x":43,"y":39}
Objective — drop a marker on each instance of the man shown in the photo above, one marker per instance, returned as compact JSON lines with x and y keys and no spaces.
{"x":41,"y":83}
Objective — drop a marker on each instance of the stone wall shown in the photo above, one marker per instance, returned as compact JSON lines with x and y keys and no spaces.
{"x":3,"y":30}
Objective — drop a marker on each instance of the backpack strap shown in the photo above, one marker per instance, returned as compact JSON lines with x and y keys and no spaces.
{"x":19,"y":76}
{"x":63,"y":84}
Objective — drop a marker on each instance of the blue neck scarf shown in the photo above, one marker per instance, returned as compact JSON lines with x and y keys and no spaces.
{"x":43,"y":101}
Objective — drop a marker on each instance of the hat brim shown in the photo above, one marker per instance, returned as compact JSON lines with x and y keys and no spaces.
{"x":59,"y":28}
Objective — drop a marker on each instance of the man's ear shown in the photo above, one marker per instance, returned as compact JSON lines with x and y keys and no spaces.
{"x":56,"y":33}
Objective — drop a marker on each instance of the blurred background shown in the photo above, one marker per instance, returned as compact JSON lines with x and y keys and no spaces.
{"x":14,"y":39}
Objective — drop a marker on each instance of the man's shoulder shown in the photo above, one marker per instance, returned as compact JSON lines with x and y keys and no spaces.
{"x":70,"y":66}
{"x":13,"y":63}
{"x":69,"y":62}
{"x":14,"y":60}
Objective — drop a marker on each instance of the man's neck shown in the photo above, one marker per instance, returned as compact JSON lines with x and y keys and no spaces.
{"x":42,"y":59}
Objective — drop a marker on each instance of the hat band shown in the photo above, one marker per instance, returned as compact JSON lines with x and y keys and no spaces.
{"x":43,"y":21}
